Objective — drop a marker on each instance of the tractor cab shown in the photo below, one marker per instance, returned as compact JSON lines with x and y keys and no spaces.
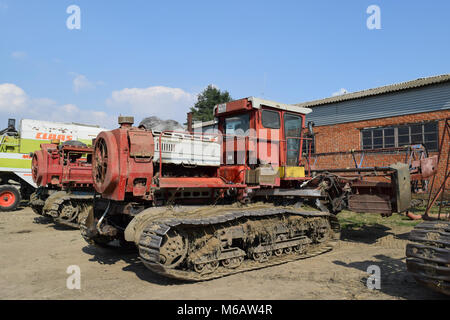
{"x":263,"y":135}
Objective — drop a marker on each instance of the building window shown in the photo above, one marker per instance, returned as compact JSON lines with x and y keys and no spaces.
{"x":398,"y":136}
{"x":306,"y":144}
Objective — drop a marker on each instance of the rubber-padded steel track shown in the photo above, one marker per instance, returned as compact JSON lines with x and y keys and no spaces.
{"x":63,"y":202}
{"x":152,"y":238}
{"x":36,"y":203}
{"x":428,"y":255}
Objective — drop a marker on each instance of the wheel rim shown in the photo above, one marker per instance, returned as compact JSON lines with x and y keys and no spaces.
{"x":173,"y":250}
{"x":226,"y":263}
{"x":199,"y":267}
{"x":7,"y":198}
{"x":101,"y":157}
{"x":278,"y":252}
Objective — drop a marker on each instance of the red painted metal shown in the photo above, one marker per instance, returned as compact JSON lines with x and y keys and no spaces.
{"x":123,"y":158}
{"x":7,"y":198}
{"x":122,"y":163}
{"x":62,"y":166}
{"x":186,"y":182}
{"x":441,"y":191}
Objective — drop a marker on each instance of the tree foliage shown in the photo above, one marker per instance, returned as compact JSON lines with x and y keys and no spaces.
{"x":203,"y":108}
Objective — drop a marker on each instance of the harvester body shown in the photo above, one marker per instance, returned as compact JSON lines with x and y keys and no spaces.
{"x":203,"y":205}
{"x":16,"y":147}
{"x":63,"y":174}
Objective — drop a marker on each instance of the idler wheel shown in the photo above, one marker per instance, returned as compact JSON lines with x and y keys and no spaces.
{"x":260,"y":257}
{"x":288,"y":250}
{"x":69,"y":212}
{"x":199,"y":267}
{"x":232,"y":262}
{"x":278,"y":252}
{"x":173,"y":250}
{"x":212,"y":266}
{"x":226,"y":263}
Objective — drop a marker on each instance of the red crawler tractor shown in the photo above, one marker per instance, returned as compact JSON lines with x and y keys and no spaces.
{"x":63,"y":174}
{"x":204,"y":205}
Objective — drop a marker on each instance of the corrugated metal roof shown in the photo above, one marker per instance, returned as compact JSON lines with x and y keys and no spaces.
{"x":380,"y":90}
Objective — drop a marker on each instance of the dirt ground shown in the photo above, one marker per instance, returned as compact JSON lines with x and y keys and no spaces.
{"x":35,"y":254}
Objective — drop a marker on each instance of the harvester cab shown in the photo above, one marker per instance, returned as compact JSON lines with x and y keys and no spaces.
{"x":266,"y":136}
{"x":11,"y":129}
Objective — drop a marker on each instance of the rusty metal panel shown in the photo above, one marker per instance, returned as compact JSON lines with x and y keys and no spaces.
{"x":402,"y":185}
{"x":370,"y":203}
{"x":141,"y":144}
{"x":428,"y":166}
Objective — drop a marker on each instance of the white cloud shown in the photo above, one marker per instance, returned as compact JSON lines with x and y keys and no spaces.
{"x":19,"y":55}
{"x":340,"y":92}
{"x":15,"y":103}
{"x":163,"y":102}
{"x":3,"y":6}
{"x":12,"y":97}
{"x":81,"y":82}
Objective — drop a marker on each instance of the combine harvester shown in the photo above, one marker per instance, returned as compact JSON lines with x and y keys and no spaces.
{"x":63,"y":174}
{"x":16,"y":147}
{"x":200,"y":206}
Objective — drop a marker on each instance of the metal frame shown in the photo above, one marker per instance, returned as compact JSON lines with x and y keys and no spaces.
{"x":441,"y":190}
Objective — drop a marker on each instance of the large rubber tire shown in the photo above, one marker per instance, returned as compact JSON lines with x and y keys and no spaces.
{"x":9,"y":198}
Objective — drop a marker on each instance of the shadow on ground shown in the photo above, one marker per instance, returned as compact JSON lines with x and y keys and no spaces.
{"x":395,"y":280}
{"x":368,"y":234}
{"x":45,"y":220}
{"x":110,"y":256}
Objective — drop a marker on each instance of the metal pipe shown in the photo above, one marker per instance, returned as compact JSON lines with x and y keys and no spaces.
{"x":370,"y":169}
{"x":103,"y":216}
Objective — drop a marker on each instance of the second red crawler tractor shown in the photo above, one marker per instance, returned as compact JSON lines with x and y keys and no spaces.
{"x":63,"y":173}
{"x":200,"y":206}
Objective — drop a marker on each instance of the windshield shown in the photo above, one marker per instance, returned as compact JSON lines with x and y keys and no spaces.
{"x":237,"y":125}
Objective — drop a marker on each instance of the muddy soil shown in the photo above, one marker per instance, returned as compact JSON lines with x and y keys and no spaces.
{"x":35,"y":255}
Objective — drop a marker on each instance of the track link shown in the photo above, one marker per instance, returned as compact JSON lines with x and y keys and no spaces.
{"x":66,"y":208}
{"x":428,"y":255}
{"x":151,"y":243}
{"x":36,"y":203}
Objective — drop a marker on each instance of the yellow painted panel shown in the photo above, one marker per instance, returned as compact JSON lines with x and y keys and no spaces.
{"x":292,"y":172}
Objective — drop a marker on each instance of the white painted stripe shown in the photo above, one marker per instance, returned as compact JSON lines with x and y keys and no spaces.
{"x":25,"y":174}
{"x":7,"y":155}
{"x":15,"y":169}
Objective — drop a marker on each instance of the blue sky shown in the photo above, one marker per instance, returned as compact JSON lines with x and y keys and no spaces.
{"x":146,"y":58}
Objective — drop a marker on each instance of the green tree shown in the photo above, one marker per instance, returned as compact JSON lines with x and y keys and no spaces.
{"x":203,"y":108}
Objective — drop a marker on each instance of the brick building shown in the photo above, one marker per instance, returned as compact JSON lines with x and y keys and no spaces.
{"x":392,"y":116}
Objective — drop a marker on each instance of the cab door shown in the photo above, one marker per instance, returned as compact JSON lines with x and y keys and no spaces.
{"x":292,"y":136}
{"x":269,"y":136}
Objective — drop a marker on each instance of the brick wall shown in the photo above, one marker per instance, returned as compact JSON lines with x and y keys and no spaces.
{"x":347,"y":136}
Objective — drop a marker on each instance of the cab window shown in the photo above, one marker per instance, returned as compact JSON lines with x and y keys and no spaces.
{"x":270,"y":119}
{"x":237,"y":125}
{"x":292,"y":133}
